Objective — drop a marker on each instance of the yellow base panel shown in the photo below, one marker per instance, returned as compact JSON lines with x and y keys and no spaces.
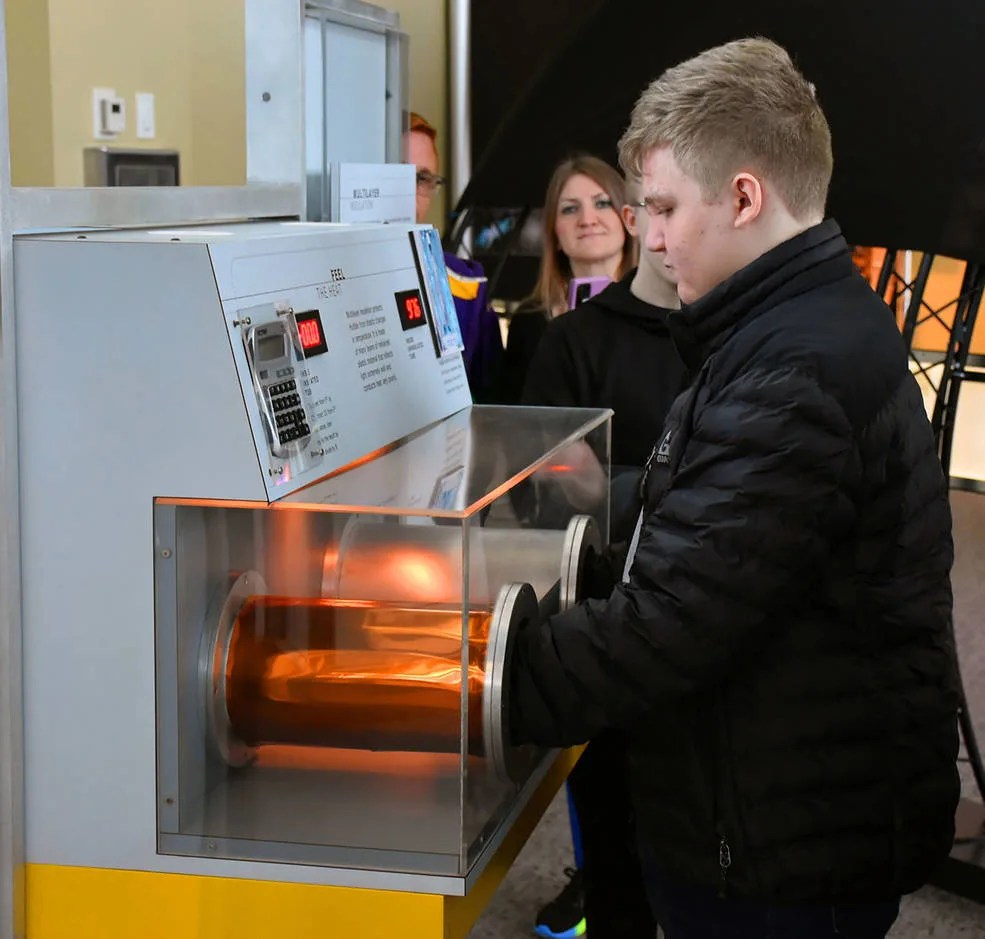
{"x":95,"y":903}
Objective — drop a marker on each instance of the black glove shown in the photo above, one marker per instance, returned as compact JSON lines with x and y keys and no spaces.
{"x":602,"y":570}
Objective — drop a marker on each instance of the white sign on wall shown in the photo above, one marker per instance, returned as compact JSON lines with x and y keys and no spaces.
{"x":373,"y":192}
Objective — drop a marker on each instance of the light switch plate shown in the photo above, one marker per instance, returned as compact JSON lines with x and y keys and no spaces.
{"x":144,"y":101}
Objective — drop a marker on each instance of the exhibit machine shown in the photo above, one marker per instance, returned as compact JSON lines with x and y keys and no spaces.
{"x":273,"y":562}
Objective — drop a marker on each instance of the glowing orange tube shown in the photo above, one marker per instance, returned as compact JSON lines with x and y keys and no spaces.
{"x":354,"y":674}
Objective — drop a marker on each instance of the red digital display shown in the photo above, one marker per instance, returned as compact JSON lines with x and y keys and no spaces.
{"x":410,"y":308}
{"x":311,"y":333}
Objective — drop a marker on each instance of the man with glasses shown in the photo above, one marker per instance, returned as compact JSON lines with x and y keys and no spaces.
{"x":778,"y":649}
{"x":422,"y":151}
{"x":469,"y":287}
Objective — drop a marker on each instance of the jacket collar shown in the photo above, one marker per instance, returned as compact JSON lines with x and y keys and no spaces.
{"x":816,"y":256}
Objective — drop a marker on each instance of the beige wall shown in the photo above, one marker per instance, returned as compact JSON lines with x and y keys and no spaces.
{"x":217,"y":91}
{"x":426,"y":23}
{"x":188,"y":53}
{"x":29,"y":75}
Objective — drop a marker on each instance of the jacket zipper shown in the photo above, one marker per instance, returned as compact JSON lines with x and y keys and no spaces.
{"x":723,"y":796}
{"x":724,"y":862}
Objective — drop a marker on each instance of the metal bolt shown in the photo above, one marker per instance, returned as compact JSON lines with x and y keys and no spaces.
{"x":265,"y":96}
{"x":169,"y":801}
{"x":166,"y":553}
{"x":211,"y":845}
{"x":245,"y":321}
{"x":275,"y":470}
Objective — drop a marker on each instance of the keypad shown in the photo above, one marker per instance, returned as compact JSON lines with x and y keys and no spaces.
{"x":288,"y":414}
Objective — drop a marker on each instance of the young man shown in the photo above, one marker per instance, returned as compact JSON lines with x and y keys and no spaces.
{"x":778,"y":650}
{"x":615,"y":351}
{"x":469,"y":287}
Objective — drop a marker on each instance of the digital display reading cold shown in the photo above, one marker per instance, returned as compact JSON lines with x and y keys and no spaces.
{"x":410,"y":308}
{"x":311,"y":333}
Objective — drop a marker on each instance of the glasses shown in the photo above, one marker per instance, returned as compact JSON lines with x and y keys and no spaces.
{"x":429,"y":181}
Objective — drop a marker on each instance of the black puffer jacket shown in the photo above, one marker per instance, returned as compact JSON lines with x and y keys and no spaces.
{"x":780,"y":652}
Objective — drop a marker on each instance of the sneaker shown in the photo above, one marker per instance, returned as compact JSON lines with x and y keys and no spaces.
{"x":564,"y":916}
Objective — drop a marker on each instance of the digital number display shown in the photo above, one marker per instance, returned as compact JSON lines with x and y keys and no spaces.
{"x":310,"y":331}
{"x":410,"y":308}
{"x":270,"y":348}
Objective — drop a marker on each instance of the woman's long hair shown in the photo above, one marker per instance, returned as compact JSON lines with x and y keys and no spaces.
{"x":551,"y":290}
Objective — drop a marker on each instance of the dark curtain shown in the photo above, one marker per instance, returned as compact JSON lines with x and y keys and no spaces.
{"x":898,"y":79}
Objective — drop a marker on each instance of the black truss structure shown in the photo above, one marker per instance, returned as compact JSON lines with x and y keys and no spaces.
{"x":945,"y":372}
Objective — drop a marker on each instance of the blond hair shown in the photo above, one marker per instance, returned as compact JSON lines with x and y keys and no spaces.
{"x":742,"y":105}
{"x":554,"y":276}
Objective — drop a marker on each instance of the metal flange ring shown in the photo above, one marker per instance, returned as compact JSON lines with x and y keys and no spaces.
{"x":582,"y":534}
{"x":515,"y":606}
{"x":213,"y":661}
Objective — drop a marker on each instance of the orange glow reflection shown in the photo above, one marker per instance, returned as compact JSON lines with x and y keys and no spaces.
{"x":391,"y":763}
{"x":408,"y":573}
{"x":420,"y":572}
{"x":353,"y":674}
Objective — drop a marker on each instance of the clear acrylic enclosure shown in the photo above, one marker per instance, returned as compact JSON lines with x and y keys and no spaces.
{"x":330,"y":666}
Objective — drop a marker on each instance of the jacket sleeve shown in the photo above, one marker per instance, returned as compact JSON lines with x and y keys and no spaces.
{"x":525,"y":332}
{"x":551,"y":379}
{"x":754,"y":506}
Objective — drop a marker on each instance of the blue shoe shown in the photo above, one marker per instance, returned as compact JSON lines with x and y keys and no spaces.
{"x":564,"y":916}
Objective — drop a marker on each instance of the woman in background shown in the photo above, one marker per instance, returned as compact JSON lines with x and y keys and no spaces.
{"x":590,"y":231}
{"x":583,"y":237}
{"x":613,"y":351}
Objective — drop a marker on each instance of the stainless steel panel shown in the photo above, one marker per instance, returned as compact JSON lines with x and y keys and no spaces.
{"x":398,"y":94}
{"x":166,"y":654}
{"x":275,"y":95}
{"x":356,"y":92}
{"x":12,"y":849}
{"x":460,"y":88}
{"x":354,"y":13}
{"x":135,"y":207}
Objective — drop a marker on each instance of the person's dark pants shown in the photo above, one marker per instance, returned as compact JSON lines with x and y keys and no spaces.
{"x":690,"y":912}
{"x":616,"y":905}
